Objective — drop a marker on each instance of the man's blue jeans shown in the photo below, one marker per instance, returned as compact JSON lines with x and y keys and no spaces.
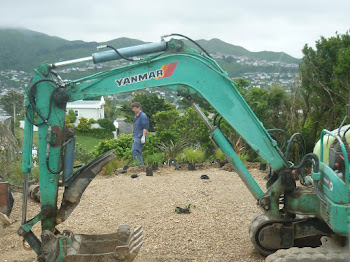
{"x":136,"y":149}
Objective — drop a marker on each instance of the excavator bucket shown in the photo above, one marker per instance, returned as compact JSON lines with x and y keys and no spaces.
{"x":122,"y":246}
{"x":80,"y":181}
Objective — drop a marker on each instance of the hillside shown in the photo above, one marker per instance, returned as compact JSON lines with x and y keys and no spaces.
{"x":22,"y":49}
{"x":216,"y":46}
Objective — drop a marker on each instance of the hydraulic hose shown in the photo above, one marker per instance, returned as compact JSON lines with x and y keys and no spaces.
{"x":33,"y":105}
{"x":124,"y":57}
{"x":48,"y":161}
{"x":308,"y":156}
{"x":280,"y":131}
{"x":289,"y":144}
{"x":191,"y":40}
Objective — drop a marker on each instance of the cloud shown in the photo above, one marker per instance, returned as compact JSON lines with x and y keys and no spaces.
{"x":256,"y":25}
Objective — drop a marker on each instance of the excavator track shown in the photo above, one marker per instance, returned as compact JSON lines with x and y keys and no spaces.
{"x":325,"y":253}
{"x":268,"y":235}
{"x":254,"y":228}
{"x":307,"y":254}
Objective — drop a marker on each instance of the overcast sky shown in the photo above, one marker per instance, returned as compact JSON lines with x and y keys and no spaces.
{"x":274,"y":25}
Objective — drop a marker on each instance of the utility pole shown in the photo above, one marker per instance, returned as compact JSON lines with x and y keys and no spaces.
{"x":14,"y":118}
{"x":14,"y":113}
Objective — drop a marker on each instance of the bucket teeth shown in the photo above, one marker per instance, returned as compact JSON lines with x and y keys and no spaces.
{"x":134,"y":235}
{"x":122,"y":246}
{"x":128,"y":252}
{"x":136,"y":241}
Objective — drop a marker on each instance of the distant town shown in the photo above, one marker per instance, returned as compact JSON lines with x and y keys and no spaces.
{"x":19,"y":80}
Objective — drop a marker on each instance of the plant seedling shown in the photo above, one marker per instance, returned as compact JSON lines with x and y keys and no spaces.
{"x":186,"y":210}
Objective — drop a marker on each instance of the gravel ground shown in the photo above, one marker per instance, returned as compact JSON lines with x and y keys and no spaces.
{"x":216,"y":230}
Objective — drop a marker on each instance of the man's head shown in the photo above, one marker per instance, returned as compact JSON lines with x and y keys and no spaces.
{"x":136,"y":107}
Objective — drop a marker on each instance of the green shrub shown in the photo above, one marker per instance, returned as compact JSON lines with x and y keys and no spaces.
{"x":166,"y":136}
{"x":151,"y":146}
{"x":82,"y":155}
{"x":35,"y":172}
{"x":180,"y":158}
{"x":244,"y":157}
{"x":134,"y":163}
{"x":171,"y":150}
{"x":84,"y":125}
{"x":11,"y":170}
{"x":71,"y":116}
{"x":92,"y":121}
{"x":191,"y":127}
{"x":121,"y":145}
{"x":68,"y":124}
{"x":220,"y":155}
{"x":211,"y":158}
{"x":165,"y":125}
{"x":156,"y":158}
{"x":194,"y":155}
{"x":97,"y":133}
{"x":13,"y":173}
{"x":106,"y":124}
{"x":113,"y":165}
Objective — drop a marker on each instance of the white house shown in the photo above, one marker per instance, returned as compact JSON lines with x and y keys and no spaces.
{"x":88,"y":108}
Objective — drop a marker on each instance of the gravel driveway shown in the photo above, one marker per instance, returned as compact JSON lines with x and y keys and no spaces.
{"x":215,"y":230}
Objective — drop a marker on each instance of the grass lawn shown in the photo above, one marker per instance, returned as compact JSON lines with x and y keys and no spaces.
{"x":87,"y":142}
{"x":19,"y":133}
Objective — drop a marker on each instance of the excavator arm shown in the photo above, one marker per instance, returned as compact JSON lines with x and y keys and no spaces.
{"x":186,"y":71}
{"x":175,"y":66}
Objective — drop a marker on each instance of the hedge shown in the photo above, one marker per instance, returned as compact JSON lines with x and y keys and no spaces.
{"x":97,"y":133}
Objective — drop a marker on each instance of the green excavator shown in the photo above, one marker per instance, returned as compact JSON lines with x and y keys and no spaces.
{"x":317,"y":208}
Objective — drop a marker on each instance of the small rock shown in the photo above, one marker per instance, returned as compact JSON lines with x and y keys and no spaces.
{"x":126,"y":167}
{"x":134,"y":176}
{"x":204,"y":177}
{"x":122,"y":171}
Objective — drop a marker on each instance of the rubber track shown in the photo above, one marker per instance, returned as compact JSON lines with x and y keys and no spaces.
{"x":257,"y":222}
{"x":308,"y":254}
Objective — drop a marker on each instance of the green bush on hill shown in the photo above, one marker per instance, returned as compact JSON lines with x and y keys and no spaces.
{"x":106,"y":124}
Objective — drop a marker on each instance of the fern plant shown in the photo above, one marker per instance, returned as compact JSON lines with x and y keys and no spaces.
{"x":172,"y":150}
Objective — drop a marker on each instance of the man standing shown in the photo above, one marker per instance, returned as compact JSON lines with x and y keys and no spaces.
{"x":141,"y":125}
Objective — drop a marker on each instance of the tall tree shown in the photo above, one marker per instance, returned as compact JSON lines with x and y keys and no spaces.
{"x":151,"y":104}
{"x":242,"y":83}
{"x":12,"y":100}
{"x":110,"y":109}
{"x":325,"y":82}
